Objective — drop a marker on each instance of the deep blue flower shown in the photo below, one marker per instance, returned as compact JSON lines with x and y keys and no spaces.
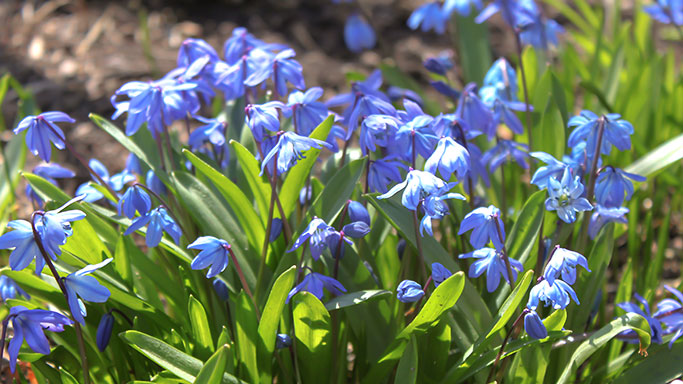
{"x":491,"y":261}
{"x":563,"y":263}
{"x":439,"y":273}
{"x":439,"y":64}
{"x":358,"y":34}
{"x":553,"y":168}
{"x":24,"y":244}
{"x":616,"y":132}
{"x":282,"y":340}
{"x":336,"y":133}
{"x":477,"y":165}
{"x":275,"y":229}
{"x":445,"y":89}
{"x":116,"y":182}
{"x":504,"y":110}
{"x":49,"y":172}
{"x":409,"y":291}
{"x":104,"y":330}
{"x":382,"y":172}
{"x":262,"y":117}
{"x":475,"y":113}
{"x":314,"y":283}
{"x":502,"y":78}
{"x":214,"y":252}
{"x":418,"y":185}
{"x":239,"y":44}
{"x":356,"y":229}
{"x":611,"y":185}
{"x":557,"y":294}
{"x":316,"y":233}
{"x":231,"y":78}
{"x":154,"y":183}
{"x":135,"y":199}
{"x":666,"y":11}
{"x":396,"y":94}
{"x":533,"y":325}
{"x":435,"y":208}
{"x":463,"y":7}
{"x":282,"y":70}
{"x":429,"y":16}
{"x":486,"y":225}
{"x":54,"y":227}
{"x":448,"y":158}
{"x":29,"y":325}
{"x":416,"y":131}
{"x":41,"y":130}
{"x":655,"y":325}
{"x":511,"y":11}
{"x":289,"y":150}
{"x":194,"y":49}
{"x":159,"y":221}
{"x":378,"y":130}
{"x":565,"y":197}
{"x":81,"y":287}
{"x":213,"y":131}
{"x":9,"y":289}
{"x":305,"y":109}
{"x":536,"y":30}
{"x":670,"y":312}
{"x":603,"y":215}
{"x":336,"y":241}
{"x":357,"y":212}
{"x":221,"y":289}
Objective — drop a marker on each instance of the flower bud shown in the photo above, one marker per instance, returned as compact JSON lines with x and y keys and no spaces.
{"x":104,"y":331}
{"x":439,"y":273}
{"x":357,"y":212}
{"x":221,"y":290}
{"x":356,"y":229}
{"x":534,"y":325}
{"x":409,"y":291}
{"x":283,"y":341}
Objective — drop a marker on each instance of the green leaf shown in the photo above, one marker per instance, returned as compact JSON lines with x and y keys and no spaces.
{"x":406,"y":372}
{"x":14,"y":158}
{"x":524,"y":233}
{"x":338,"y":190}
{"x":182,"y":365}
{"x":473,"y":39}
{"x":246,"y":332}
{"x":512,"y":303}
{"x":661,"y":366}
{"x":556,"y":320}
{"x":270,"y":319}
{"x":355,"y":298}
{"x":628,"y":321}
{"x":213,"y":369}
{"x":659,"y":158}
{"x":259,"y":186}
{"x":312,"y":327}
{"x":201,"y":331}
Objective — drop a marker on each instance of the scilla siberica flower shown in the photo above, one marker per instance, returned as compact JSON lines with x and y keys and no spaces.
{"x":533,"y":325}
{"x":476,"y":115}
{"x":439,"y":64}
{"x":655,"y":325}
{"x":564,"y":263}
{"x":511,"y":11}
{"x":283,"y":69}
{"x":358,"y":34}
{"x":283,"y":340}
{"x":435,"y":208}
{"x":29,"y":325}
{"x":666,"y":11}
{"x":409,"y":291}
{"x":418,"y":185}
{"x":305,"y":110}
{"x":382,"y":172}
{"x":49,"y":172}
{"x":616,"y":132}
{"x":486,"y":224}
{"x":116,"y":182}
{"x":378,"y":130}
{"x":214,"y":252}
{"x":439,"y":273}
{"x":134,"y":199}
{"x":159,"y":221}
{"x":316,"y":233}
{"x":611,"y":185}
{"x":670,"y":312}
{"x":213,"y":131}
{"x":104,"y":329}
{"x":79,"y":284}
{"x":416,"y":131}
{"x":565,"y":197}
{"x":463,"y":7}
{"x":314,"y":283}
{"x":603,"y":215}
{"x":9,"y":289}
{"x":429,"y":16}
{"x":557,"y":294}
{"x":357,"y":212}
{"x":449,"y":157}
{"x":553,"y":168}
{"x":505,"y":151}
{"x":41,"y":130}
{"x":289,"y":149}
{"x":536,"y":30}
{"x":491,"y":261}
{"x":262,"y":117}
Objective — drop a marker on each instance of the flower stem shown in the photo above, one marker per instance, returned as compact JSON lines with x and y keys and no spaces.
{"x":470,"y":182}
{"x":62,"y":287}
{"x":269,"y":224}
{"x":337,"y":256}
{"x":164,"y":204}
{"x":527,"y":113}
{"x":285,"y":223}
{"x":590,"y":187}
{"x":2,"y":341}
{"x":244,"y":282}
{"x":418,"y":244}
{"x":502,"y":346}
{"x":506,"y":258}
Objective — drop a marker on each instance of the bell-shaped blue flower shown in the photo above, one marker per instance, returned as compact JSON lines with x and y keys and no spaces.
{"x":477,"y":115}
{"x":193,"y":49}
{"x":54,"y":227}
{"x":221,"y":289}
{"x":655,"y":324}
{"x":409,"y":291}
{"x":611,"y":185}
{"x":356,"y":229}
{"x":440,"y":64}
{"x":358,"y":34}
{"x":283,"y":69}
{"x":159,"y":220}
{"x":41,"y":130}
{"x":289,"y":150}
{"x":617,"y":132}
{"x":29,"y":325}
{"x":553,"y":168}
{"x":116,"y":182}
{"x":491,"y":261}
{"x":435,"y":208}
{"x":214,"y":252}
{"x":49,"y":172}
{"x":9,"y":289}
{"x":448,"y":158}
{"x":557,"y":294}
{"x":439,"y":273}
{"x":262,"y":117}
{"x":357,"y":212}
{"x":565,"y":197}
{"x":429,"y":16}
{"x":603,"y":215}
{"x":536,"y":30}
{"x":563,"y":263}
{"x":418,"y":185}
{"x":505,"y":151}
{"x":135,"y":199}
{"x":104,"y":330}
{"x":314,"y":283}
{"x":305,"y":110}
{"x":81,"y":287}
{"x":511,"y":11}
{"x":365,"y":99}
{"x":666,"y":11}
{"x":316,"y":233}
{"x":533,"y":325}
{"x":378,"y":130}
{"x":213,"y":131}
{"x":239,"y":44}
{"x":154,"y":183}
{"x":670,"y":312}
{"x":486,"y":224}
{"x":382,"y":172}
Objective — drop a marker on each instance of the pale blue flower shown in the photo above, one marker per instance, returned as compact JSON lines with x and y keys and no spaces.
{"x":491,"y":261}
{"x":314,"y":283}
{"x":564,"y":263}
{"x":79,"y":284}
{"x":486,"y":224}
{"x":214,"y":252}
{"x":565,"y":197}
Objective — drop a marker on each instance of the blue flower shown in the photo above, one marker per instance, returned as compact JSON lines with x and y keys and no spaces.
{"x":289,"y":150}
{"x":41,"y":130}
{"x":54,"y":227}
{"x":533,"y":325}
{"x":445,"y":89}
{"x":356,"y":229}
{"x":29,"y":325}
{"x":378,"y":130}
{"x":87,"y":287}
{"x":154,"y":183}
{"x":536,"y":30}
{"x":557,"y":294}
{"x":314,"y":283}
{"x":49,"y":172}
{"x":511,"y":10}
{"x":418,"y":185}
{"x":666,"y":11}
{"x":9,"y":289}
{"x":416,"y":132}
{"x":239,"y":44}
{"x":135,"y":199}
{"x":491,"y":261}
{"x":439,"y":273}
{"x":502,"y":79}
{"x":262,"y":117}
{"x":463,"y":7}
{"x":655,"y":325}
{"x":554,"y":168}
{"x":213,"y":131}
{"x":396,"y":93}
{"x":611,"y":185}
{"x":104,"y":330}
{"x":306,"y":112}
{"x":565,"y":197}
{"x":357,"y":212}
{"x":316,"y":233}
{"x":214,"y":252}
{"x":603,"y":215}
{"x":409,"y":291}
{"x":475,"y":113}
{"x":382,"y":172}
{"x":435,"y":208}
{"x":282,"y":340}
{"x":486,"y":225}
{"x":283,"y":69}
{"x":24,"y":244}
{"x":439,"y":64}
{"x":616,"y":132}
{"x":116,"y":182}
{"x":477,"y":165}
{"x":448,"y":158}
{"x":564,"y":262}
{"x":670,"y":312}
{"x":159,"y":221}
{"x":358,"y":34}
{"x":194,"y":49}
{"x":429,"y":16}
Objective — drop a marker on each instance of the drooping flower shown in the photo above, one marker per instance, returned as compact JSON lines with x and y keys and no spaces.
{"x":356,"y":229}
{"x":409,"y":291}
{"x":9,"y":289}
{"x":29,"y":325}
{"x":316,"y":233}
{"x":435,"y":208}
{"x":536,"y":30}
{"x":501,"y":80}
{"x":382,"y":172}
{"x":666,"y":11}
{"x":476,"y":114}
{"x":603,"y":215}
{"x":439,"y":273}
{"x":262,"y":117}
{"x":358,"y":34}
{"x":429,"y":16}
{"x":553,"y":168}
{"x":564,"y":263}
{"x":378,"y":130}
{"x":41,"y":130}
{"x":116,"y":182}
{"x":24,"y":244}
{"x":565,"y":197}
{"x":81,"y":287}
{"x":655,"y":325}
{"x":49,"y":172}
{"x":415,"y":133}
{"x":159,"y":220}
{"x":214,"y":252}
{"x":397,"y":93}
{"x":134,"y":199}
{"x":557,"y":294}
{"x":239,"y":44}
{"x":213,"y":131}
{"x":505,"y":151}
{"x":611,"y":185}
{"x":357,"y":212}
{"x":154,"y":183}
{"x":617,"y":132}
{"x":305,"y":109}
{"x":448,"y":158}
{"x":533,"y":325}
{"x":670,"y":312}
{"x":221,"y":289}
{"x":314,"y":283}
{"x":511,"y":11}
{"x":439,"y":64}
{"x":486,"y":224}
{"x":289,"y":150}
{"x":491,"y":261}
{"x":193,"y":49}
{"x":104,"y":330}
{"x":283,"y":69}
{"x":418,"y":185}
